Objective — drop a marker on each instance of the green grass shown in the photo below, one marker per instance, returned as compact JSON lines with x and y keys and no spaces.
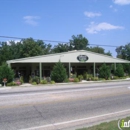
{"x":113,"y":125}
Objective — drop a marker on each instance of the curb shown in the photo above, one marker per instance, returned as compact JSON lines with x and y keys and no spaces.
{"x":5,"y":88}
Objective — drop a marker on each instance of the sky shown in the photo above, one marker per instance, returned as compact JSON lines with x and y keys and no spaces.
{"x":102,"y":22}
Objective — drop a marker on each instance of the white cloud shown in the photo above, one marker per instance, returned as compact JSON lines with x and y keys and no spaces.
{"x":31,"y":20}
{"x":95,"y":28}
{"x":91,"y":14}
{"x":122,"y":2}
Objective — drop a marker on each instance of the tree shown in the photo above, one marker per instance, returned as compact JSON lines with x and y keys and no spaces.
{"x":104,"y":71}
{"x":78,"y":43}
{"x":123,"y":52}
{"x":58,"y":73}
{"x":119,"y":70}
{"x":100,"y":50}
{"x":60,"y":48}
{"x":6,"y":72}
{"x":5,"y":53}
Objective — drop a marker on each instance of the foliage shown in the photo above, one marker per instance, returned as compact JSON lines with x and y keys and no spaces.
{"x":123,"y":52}
{"x":24,"y":48}
{"x":58,"y":73}
{"x":73,"y":75}
{"x":119,"y":70}
{"x":66,"y":80}
{"x":80,"y":77}
{"x":60,"y":48}
{"x":52,"y":82}
{"x":126,"y":67}
{"x":95,"y":78}
{"x":76,"y":80}
{"x":100,"y":50}
{"x":6,"y":72}
{"x":78,"y":42}
{"x":104,"y":71}
{"x":89,"y":77}
{"x":34,"y":83}
{"x":11,"y":84}
{"x":21,"y":80}
{"x":43,"y":82}
{"x":34,"y":79}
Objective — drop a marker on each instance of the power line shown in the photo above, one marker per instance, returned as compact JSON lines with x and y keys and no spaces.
{"x":55,"y":41}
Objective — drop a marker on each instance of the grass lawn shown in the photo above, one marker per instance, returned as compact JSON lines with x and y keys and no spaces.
{"x":113,"y":125}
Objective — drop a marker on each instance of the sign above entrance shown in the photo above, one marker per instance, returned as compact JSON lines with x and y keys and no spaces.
{"x":82,"y":58}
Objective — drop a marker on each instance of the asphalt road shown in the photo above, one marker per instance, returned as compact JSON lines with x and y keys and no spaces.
{"x":64,"y":106}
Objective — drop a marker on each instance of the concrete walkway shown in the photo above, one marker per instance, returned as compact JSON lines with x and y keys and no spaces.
{"x":69,"y":83}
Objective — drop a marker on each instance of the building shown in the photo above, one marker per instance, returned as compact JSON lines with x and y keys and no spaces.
{"x":77,"y":61}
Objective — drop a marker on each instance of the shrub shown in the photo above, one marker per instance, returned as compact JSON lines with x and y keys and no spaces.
{"x":95,"y":78}
{"x":6,"y":72}
{"x":80,"y":77}
{"x":119,"y":70}
{"x":104,"y":71}
{"x":52,"y":82}
{"x":73,"y":75}
{"x":18,"y":82}
{"x":76,"y":80}
{"x":34,"y":83}
{"x":21,"y":80}
{"x":11,"y":84}
{"x":66,"y":80}
{"x":34,"y":79}
{"x":43,"y":82}
{"x":58,"y":73}
{"x":89,"y":77}
{"x":115,"y":77}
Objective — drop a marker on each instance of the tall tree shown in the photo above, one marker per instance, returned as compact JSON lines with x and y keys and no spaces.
{"x":100,"y":50}
{"x":123,"y":51}
{"x":78,"y":42}
{"x":60,"y":48}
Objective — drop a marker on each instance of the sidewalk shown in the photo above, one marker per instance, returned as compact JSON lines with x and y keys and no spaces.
{"x":69,"y":83}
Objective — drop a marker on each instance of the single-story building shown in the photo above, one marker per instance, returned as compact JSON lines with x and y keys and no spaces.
{"x":77,"y":61}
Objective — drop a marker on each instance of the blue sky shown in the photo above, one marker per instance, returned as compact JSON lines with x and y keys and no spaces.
{"x":104,"y":22}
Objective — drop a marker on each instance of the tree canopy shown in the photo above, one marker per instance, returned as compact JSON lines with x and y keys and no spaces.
{"x":30,"y":47}
{"x":123,"y":52}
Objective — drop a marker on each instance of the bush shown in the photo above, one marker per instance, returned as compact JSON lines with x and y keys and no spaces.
{"x":21,"y":80}
{"x":34,"y":79}
{"x":58,"y":73}
{"x":89,"y":77}
{"x":104,"y":71}
{"x":95,"y":78}
{"x":119,"y":70}
{"x":115,"y":77}
{"x":66,"y":80}
{"x":80,"y":77}
{"x":6,"y":72}
{"x":43,"y":82}
{"x":101,"y":79}
{"x":34,"y":83}
{"x":52,"y":82}
{"x":76,"y":80}
{"x":11,"y":84}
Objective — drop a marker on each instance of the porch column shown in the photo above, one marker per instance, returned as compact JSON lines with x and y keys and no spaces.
{"x":94,"y":69}
{"x":69,"y":69}
{"x":114,"y":66}
{"x":40,"y":71}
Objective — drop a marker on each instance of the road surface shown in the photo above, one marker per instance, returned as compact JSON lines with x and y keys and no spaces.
{"x":63,"y":107}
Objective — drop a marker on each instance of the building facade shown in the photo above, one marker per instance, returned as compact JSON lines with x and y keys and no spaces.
{"x":77,"y":61}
